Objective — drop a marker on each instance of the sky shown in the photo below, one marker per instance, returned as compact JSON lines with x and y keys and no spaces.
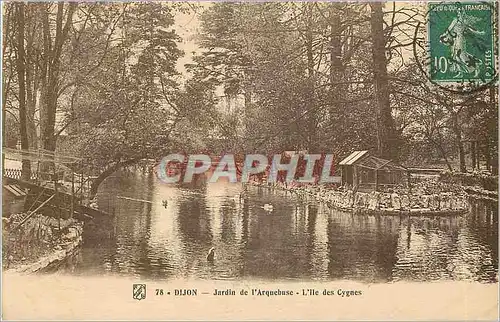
{"x":187,"y":26}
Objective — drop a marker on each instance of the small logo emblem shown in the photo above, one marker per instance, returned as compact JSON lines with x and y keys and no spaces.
{"x":139,"y":291}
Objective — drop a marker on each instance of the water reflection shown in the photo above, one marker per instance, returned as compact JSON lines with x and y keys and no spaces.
{"x":299,"y":239}
{"x":458,"y":248}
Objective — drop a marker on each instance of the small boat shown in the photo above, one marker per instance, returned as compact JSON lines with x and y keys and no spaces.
{"x":164,"y":203}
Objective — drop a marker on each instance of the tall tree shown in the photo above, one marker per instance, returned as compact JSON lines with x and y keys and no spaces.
{"x":21,"y":76}
{"x":386,"y":132}
{"x":54,"y":38}
{"x":7,"y":70}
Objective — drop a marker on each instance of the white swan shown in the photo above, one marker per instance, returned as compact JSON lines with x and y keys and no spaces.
{"x":211,"y":254}
{"x":268,"y":207}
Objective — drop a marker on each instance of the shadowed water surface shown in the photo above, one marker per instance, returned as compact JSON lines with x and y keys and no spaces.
{"x":299,"y":239}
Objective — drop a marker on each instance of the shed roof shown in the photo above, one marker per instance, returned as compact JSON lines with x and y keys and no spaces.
{"x":365,"y":160}
{"x":353,"y":157}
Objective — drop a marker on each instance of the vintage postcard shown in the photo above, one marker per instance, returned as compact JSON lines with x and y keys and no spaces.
{"x":250,"y":160}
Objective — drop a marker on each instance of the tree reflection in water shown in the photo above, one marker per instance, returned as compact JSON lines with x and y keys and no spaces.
{"x":299,"y":239}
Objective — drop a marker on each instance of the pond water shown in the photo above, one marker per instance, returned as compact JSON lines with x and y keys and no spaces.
{"x":299,"y":239}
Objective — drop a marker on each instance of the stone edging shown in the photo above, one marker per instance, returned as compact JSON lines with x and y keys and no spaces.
{"x":480,"y":193}
{"x":390,"y":204}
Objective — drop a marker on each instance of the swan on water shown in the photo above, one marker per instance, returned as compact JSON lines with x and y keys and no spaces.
{"x":211,"y":254}
{"x":268,"y":207}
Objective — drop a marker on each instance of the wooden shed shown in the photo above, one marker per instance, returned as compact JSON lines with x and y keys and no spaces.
{"x":363,"y":171}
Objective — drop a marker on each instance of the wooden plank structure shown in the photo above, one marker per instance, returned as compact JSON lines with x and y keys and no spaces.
{"x":44,"y":190}
{"x":60,"y":206}
{"x":363,"y":171}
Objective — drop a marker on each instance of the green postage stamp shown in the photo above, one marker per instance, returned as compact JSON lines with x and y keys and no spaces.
{"x":461,"y":42}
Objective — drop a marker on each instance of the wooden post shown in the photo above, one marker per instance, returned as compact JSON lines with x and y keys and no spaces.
{"x":376,"y":179}
{"x":356,"y":176}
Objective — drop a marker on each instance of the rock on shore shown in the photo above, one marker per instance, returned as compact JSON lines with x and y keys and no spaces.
{"x":421,"y":200}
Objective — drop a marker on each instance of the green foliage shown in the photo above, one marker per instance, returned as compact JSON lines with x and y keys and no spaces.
{"x":258,"y":51}
{"x":269,"y":77}
{"x":135,"y":108}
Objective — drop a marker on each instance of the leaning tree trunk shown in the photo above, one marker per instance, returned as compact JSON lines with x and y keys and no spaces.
{"x":106,"y":173}
{"x":441,"y":150}
{"x":387,"y":137}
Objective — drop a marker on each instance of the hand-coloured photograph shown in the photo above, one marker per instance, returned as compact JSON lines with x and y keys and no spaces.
{"x":250,"y":160}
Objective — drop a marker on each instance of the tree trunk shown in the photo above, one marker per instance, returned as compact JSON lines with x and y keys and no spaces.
{"x":460,"y":144}
{"x":473,"y":153}
{"x":52,"y":51}
{"x":312,"y":115}
{"x":494,"y":167}
{"x":21,"y":73}
{"x":386,"y":132}
{"x":52,"y":57}
{"x":247,"y":88}
{"x":461,"y":156}
{"x":335,"y":48}
{"x":31,"y":77}
{"x":5,"y":79}
{"x":44,"y":109}
{"x":442,"y":151}
{"x":487,"y":155}
{"x":492,"y":139}
{"x":106,"y":173}
{"x":337,"y":118}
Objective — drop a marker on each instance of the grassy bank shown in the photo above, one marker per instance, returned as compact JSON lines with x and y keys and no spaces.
{"x":26,"y":241}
